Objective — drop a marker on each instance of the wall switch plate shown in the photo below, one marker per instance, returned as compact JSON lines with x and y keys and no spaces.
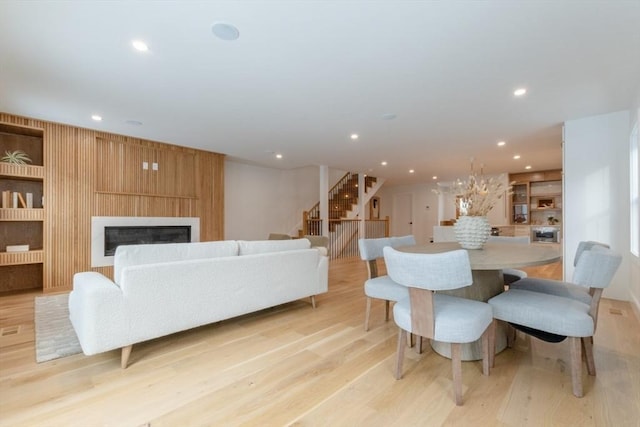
{"x":145,"y":165}
{"x":154,"y":166}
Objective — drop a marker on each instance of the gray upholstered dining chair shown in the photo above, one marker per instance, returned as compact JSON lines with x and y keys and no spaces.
{"x":553,"y":317}
{"x":435,"y":315}
{"x":376,"y":286}
{"x":571,"y":289}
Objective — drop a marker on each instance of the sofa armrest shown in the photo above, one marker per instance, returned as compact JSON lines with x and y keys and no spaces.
{"x":92,"y":281}
{"x":323,"y":251}
{"x":97,"y":313}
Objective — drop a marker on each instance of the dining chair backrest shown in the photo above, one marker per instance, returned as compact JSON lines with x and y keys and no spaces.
{"x":585,"y":246}
{"x":371,"y":250}
{"x":596,"y":267}
{"x":442,"y":271}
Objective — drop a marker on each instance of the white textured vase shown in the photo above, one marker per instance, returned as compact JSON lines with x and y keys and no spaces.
{"x":472,"y":232}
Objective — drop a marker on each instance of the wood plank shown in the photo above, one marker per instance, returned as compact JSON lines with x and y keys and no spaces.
{"x":294,"y":365}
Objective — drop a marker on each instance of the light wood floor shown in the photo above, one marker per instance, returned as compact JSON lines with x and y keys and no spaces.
{"x":294,"y":365}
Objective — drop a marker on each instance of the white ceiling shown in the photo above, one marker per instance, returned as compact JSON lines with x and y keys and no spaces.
{"x":304,"y":75}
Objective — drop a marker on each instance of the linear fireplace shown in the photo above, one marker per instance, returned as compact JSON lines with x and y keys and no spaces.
{"x":108,"y":232}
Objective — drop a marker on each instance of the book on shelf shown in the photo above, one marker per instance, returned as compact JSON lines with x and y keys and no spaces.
{"x":14,"y":198}
{"x":17,"y":248}
{"x":6,"y":199}
{"x":29,"y":200}
{"x":23,"y":204}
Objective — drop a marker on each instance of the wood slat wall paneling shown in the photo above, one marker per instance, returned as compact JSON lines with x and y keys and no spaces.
{"x":210,"y":173}
{"x":92,"y":173}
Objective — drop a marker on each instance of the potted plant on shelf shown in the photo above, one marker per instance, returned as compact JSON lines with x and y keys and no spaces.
{"x":16,"y":157}
{"x":552,"y":220}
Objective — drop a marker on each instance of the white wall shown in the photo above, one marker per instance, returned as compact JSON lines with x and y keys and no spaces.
{"x":634,"y":288}
{"x":260,"y":200}
{"x":424,"y":208}
{"x":596,"y":193}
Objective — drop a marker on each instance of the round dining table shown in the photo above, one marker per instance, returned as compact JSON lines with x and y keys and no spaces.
{"x":488,"y":280}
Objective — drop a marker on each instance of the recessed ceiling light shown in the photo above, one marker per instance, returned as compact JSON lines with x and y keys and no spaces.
{"x":411,"y":171}
{"x":134,"y":122}
{"x":225,"y":31}
{"x":520,"y":91}
{"x":501,"y":143}
{"x":278,"y":156}
{"x":354,"y":136}
{"x":384,"y":163}
{"x":96,"y":117}
{"x":434,"y":177}
{"x":389,"y":116}
{"x":528,"y":167}
{"x":516,"y":157}
{"x":139,"y":45}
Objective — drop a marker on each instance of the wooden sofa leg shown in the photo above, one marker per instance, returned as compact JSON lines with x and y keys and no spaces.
{"x":126,"y":352}
{"x":313,"y":301}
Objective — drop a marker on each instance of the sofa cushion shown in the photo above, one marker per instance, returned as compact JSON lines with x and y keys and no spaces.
{"x":129,"y":255}
{"x":266,"y":246}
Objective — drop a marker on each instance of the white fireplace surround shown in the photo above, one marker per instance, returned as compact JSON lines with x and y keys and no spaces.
{"x":98,"y":223}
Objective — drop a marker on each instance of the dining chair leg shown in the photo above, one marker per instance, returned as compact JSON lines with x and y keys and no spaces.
{"x":492,"y":343}
{"x":367,"y":312}
{"x":402,"y":342}
{"x":456,"y":367}
{"x":386,"y":310}
{"x":587,"y":347}
{"x":511,"y":335}
{"x":486,"y":350}
{"x":576,"y":365}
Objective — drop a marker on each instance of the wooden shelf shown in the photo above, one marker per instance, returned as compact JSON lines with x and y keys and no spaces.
{"x":35,"y":173}
{"x":21,"y":214}
{"x":18,"y":258}
{"x":539,"y":195}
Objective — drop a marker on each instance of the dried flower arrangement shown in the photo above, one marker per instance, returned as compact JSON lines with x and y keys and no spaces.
{"x":477,"y":196}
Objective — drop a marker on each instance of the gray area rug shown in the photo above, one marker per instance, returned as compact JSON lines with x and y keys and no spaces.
{"x":55,"y":337}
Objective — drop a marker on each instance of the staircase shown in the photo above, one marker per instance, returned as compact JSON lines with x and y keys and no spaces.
{"x":343,"y":202}
{"x":344,"y":224}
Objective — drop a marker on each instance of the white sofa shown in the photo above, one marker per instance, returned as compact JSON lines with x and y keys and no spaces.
{"x":166,"y":288}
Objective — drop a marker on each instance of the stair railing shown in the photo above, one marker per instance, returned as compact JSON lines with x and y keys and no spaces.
{"x":343,"y":232}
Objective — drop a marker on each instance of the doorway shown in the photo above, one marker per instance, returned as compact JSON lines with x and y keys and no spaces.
{"x":402,"y":221}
